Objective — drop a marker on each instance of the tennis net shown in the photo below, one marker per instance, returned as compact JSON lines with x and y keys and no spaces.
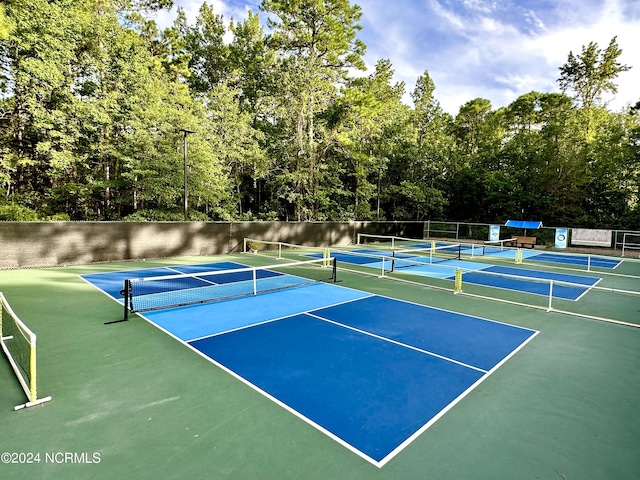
{"x":155,"y":293}
{"x":414,"y":257}
{"x":496,"y":246}
{"x":280,"y":250}
{"x":391,"y":241}
{"x":19,"y":345}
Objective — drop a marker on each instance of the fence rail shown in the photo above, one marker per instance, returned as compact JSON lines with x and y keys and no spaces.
{"x":545,"y":235}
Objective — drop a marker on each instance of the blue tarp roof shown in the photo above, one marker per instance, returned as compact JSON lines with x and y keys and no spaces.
{"x":523,"y":224}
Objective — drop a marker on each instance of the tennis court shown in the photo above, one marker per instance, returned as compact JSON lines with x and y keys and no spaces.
{"x":368,"y":378}
{"x":560,"y":258}
{"x":567,"y":286}
{"x":370,"y":372}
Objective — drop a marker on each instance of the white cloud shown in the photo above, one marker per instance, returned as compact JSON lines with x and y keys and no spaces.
{"x":481,"y":48}
{"x":451,"y":18}
{"x":486,"y":52}
{"x":480,"y":5}
{"x":534,"y":20}
{"x":228,"y":9}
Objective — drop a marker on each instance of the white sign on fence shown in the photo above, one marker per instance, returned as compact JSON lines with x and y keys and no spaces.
{"x":591,"y":237}
{"x":494,"y":233}
{"x":561,"y":237}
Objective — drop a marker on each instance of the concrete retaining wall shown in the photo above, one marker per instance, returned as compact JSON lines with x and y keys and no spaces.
{"x":34,"y":244}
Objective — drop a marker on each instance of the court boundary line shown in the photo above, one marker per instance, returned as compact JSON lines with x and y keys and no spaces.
{"x":381,"y":463}
{"x":121,"y":301}
{"x":393,"y":453}
{"x":590,"y":288}
{"x":457,"y":400}
{"x":619,"y":262}
{"x":285,"y":406}
{"x":501,"y":300}
{"x":305,"y":312}
{"x":267,"y":395}
{"x":525,"y":279}
{"x":108,"y":295}
{"x":396,"y":342}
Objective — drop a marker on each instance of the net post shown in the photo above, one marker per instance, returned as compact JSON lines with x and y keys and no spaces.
{"x":126,"y":293}
{"x":589,"y":263}
{"x":550,"y":295}
{"x":33,"y":392}
{"x":458,"y":282}
{"x":127,"y":299}
{"x":358,"y":239}
{"x":334,"y":269}
{"x":244,"y":248}
{"x":518,"y":255}
{"x":255,"y":281}
{"x":326,"y":256}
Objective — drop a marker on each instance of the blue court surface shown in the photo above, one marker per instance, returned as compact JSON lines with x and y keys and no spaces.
{"x":577,"y":260}
{"x":369,"y":371}
{"x":111,"y":283}
{"x":566,"y":286}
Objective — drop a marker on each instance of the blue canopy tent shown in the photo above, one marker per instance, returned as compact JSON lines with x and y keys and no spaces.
{"x":525,"y":224}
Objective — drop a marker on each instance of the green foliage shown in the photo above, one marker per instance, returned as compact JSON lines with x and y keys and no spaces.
{"x":591,"y":73}
{"x":17,"y":213}
{"x":204,"y":44}
{"x":6,"y":24}
{"x":94,"y":98}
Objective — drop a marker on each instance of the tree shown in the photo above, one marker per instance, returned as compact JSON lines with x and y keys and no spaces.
{"x":94,"y":111}
{"x":370,"y":109}
{"x":208,"y":53}
{"x":316,"y":43}
{"x":251,"y":67}
{"x":470,"y":126}
{"x":6,"y":25}
{"x":592,"y":73}
{"x":237,"y":147}
{"x":417,"y":190}
{"x":320,"y":29}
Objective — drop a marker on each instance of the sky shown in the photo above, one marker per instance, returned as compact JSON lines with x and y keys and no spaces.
{"x":493,"y":49}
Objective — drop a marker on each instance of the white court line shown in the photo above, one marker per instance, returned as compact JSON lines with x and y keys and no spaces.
{"x":329,"y":434}
{"x":411,"y":347}
{"x":305,"y":312}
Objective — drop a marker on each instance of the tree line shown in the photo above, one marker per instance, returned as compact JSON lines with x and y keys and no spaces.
{"x":95,"y":99}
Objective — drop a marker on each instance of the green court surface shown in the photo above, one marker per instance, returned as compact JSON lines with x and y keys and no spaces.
{"x":131,"y":402}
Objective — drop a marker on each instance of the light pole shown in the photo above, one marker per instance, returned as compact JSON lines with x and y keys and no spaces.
{"x":186,"y":191}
